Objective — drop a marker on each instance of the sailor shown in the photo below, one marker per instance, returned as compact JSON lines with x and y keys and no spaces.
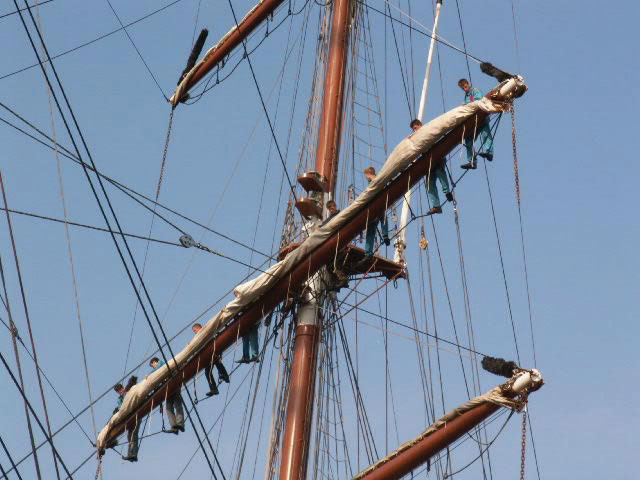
{"x":222,"y":372}
{"x":472,"y":94}
{"x":175,"y":413}
{"x":250,"y":349}
{"x":332,"y":209}
{"x":132,"y":433}
{"x":438,"y":173}
{"x":372,"y":224}
{"x":337,"y":277}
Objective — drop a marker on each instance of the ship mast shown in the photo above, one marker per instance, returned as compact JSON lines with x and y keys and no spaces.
{"x":295,"y":445}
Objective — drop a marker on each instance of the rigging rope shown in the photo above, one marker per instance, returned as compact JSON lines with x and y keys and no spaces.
{"x":85,"y":44}
{"x":14,"y":336}
{"x":27,"y":316}
{"x":137,"y":50}
{"x":72,"y":266}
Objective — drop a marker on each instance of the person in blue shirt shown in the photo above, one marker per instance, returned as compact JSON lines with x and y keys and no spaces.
{"x":439,"y":174}
{"x":132,"y":434}
{"x":472,"y":94}
{"x":208,"y":372}
{"x":175,"y":413}
{"x":372,"y":225}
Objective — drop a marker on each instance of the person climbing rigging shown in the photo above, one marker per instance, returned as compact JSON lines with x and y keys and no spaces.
{"x":372,"y":224}
{"x":439,"y":174}
{"x":132,"y":433}
{"x":175,"y":413}
{"x":222,"y":372}
{"x":250,"y":349}
{"x":472,"y":94}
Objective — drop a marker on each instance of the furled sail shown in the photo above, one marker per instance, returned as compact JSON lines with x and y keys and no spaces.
{"x":247,"y":293}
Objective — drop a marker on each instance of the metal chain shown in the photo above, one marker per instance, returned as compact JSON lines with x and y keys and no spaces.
{"x":515,"y":152}
{"x":99,"y":469}
{"x":164,"y":153}
{"x":523,"y":442}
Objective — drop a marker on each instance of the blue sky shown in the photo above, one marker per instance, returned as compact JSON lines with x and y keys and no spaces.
{"x":575,"y":134}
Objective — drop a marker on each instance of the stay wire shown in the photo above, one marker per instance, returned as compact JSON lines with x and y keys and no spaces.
{"x":146,"y":65}
{"x":264,"y":107}
{"x":72,"y":266}
{"x":23,"y":9}
{"x":35,"y":416}
{"x":13,"y":464}
{"x":115,"y":218}
{"x":504,"y":274}
{"x":66,"y":406}
{"x":14,"y":337}
{"x":130,"y":192}
{"x":90,"y":42}
{"x":464,"y":43}
{"x":27,"y":316}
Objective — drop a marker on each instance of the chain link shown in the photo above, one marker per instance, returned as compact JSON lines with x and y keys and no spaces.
{"x":164,"y":153}
{"x":515,"y":152}
{"x":523,"y":442}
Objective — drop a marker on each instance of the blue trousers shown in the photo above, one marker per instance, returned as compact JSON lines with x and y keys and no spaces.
{"x":486,"y":142}
{"x":250,"y":347}
{"x":441,"y":175}
{"x":371,"y":233}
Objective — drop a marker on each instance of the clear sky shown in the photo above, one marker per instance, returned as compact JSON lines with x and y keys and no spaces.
{"x":576,"y":130}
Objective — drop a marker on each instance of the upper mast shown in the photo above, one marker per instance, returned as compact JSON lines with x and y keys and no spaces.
{"x":295,"y":445}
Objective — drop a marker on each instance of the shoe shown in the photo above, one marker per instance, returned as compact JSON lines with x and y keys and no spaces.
{"x":449,"y":196}
{"x":469,"y":166}
{"x":243,"y":360}
{"x":435,"y":210}
{"x":131,"y":458}
{"x":173,"y":430}
{"x":386,"y":241}
{"x":181,"y":428}
{"x":224,"y":378}
{"x":255,"y":359}
{"x":212,"y":392}
{"x":487,"y":155}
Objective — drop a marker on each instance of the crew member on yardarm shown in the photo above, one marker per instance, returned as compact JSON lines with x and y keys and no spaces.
{"x":132,"y":433}
{"x":437,"y":173}
{"x":250,"y":348}
{"x":222,"y":372}
{"x":337,"y":277}
{"x":472,"y":94}
{"x":372,"y":224}
{"x":175,"y":412}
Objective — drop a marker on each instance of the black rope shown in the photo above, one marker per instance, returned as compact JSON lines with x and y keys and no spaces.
{"x":90,"y":41}
{"x":264,"y":106}
{"x":13,"y":464}
{"x":35,"y":416}
{"x":437,"y":39}
{"x":115,"y":218}
{"x":27,"y":316}
{"x":130,"y":192}
{"x":23,"y":9}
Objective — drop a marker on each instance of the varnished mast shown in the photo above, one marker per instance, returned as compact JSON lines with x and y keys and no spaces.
{"x":295,"y":445}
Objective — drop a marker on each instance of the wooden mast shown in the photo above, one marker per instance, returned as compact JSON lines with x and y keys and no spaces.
{"x":295,"y":444}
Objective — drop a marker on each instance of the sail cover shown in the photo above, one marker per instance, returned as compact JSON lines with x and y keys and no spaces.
{"x":399,"y":159}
